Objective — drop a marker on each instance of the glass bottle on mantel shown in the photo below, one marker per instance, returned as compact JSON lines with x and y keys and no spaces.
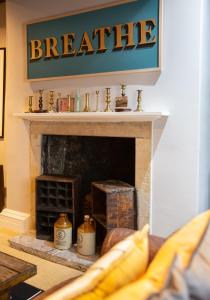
{"x":63,"y":232}
{"x":86,"y":237}
{"x":78,"y":101}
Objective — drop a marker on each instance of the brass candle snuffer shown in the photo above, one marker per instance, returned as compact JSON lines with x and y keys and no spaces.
{"x":108,"y":100}
{"x":87,"y":104}
{"x":139,"y":101}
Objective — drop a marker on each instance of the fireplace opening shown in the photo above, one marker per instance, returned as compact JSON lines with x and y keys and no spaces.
{"x":90,"y":160}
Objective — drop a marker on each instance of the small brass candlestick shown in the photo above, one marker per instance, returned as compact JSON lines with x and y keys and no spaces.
{"x":40,"y":110}
{"x":58,"y":102}
{"x":87,"y":107}
{"x":69,"y":103}
{"x":30,"y":104}
{"x":123,"y":88}
{"x":97,"y":99}
{"x":139,"y":101}
{"x":108,"y":100}
{"x":51,"y":102}
{"x":41,"y":100}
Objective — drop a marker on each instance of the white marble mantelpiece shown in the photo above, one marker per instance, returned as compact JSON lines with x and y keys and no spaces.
{"x":92,"y":116}
{"x":136,"y":125}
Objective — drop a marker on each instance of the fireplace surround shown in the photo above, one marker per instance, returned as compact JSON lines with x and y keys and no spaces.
{"x":127,"y":125}
{"x":140,"y":131}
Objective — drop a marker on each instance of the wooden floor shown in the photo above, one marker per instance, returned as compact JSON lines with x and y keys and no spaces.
{"x":44,"y":279}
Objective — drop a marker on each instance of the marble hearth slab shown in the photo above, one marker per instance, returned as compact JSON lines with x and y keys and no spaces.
{"x":45,"y":250}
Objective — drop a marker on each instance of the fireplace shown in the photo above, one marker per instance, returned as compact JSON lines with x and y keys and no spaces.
{"x":138,"y":136}
{"x":86,"y":160}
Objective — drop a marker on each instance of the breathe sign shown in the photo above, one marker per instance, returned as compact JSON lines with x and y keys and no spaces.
{"x":120,"y":38}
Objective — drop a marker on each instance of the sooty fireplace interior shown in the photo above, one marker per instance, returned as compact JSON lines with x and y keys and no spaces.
{"x":89,"y":159}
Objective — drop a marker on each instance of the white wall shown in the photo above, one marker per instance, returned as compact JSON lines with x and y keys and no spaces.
{"x":175,"y":185}
{"x":2,"y":24}
{"x":2,"y":44}
{"x":204,"y":155}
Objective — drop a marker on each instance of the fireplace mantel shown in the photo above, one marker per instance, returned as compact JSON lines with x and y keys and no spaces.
{"x":138,"y":125}
{"x":92,"y":116}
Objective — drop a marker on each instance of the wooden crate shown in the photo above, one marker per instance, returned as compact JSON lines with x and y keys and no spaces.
{"x":113,"y":204}
{"x":55,"y":195}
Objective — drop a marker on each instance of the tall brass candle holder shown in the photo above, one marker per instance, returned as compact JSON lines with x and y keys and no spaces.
{"x":123,"y":88}
{"x":108,"y":100}
{"x":40,"y":110}
{"x":69,"y":103}
{"x":97,"y":99}
{"x":30,"y":104}
{"x":51,"y":102}
{"x":139,"y":101}
{"x":87,"y":107}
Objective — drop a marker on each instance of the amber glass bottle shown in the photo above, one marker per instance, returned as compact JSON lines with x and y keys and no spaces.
{"x":62,"y":232}
{"x":86,"y":237}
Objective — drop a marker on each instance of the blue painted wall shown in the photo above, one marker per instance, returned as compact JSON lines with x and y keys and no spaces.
{"x":130,"y":59}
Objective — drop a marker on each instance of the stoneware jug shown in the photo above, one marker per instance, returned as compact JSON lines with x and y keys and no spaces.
{"x":62,"y":232}
{"x":86,"y":237}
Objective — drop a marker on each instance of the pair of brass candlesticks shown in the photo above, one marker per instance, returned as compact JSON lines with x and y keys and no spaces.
{"x":107,"y":101}
{"x":41,"y":110}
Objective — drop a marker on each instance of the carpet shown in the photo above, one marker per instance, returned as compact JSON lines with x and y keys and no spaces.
{"x":24,"y":291}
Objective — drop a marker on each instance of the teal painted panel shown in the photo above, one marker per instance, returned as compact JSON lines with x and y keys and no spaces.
{"x":109,"y":61}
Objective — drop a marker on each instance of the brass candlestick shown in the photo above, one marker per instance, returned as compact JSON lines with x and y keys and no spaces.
{"x":108,"y":100}
{"x":40,"y":110}
{"x":41,"y":100}
{"x":30,"y":104}
{"x":51,"y":102}
{"x":123,"y":88}
{"x":69,"y":103}
{"x":139,"y":101}
{"x":58,"y":102}
{"x":87,"y":107}
{"x":97,"y":99}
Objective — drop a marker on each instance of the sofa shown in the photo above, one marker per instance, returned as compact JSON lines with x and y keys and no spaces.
{"x":147,"y":268}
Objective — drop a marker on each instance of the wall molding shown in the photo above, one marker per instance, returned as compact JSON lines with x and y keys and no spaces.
{"x":15,"y":220}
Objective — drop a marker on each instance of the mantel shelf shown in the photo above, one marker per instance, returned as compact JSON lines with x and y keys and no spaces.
{"x":92,"y":116}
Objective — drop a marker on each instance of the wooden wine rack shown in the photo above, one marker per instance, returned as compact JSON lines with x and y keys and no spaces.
{"x":55,"y":195}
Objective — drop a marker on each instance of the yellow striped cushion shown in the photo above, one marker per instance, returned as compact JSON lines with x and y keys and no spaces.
{"x":124,"y":263}
{"x":183,"y":243}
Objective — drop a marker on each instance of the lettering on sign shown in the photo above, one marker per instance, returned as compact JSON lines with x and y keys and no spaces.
{"x":48,"y":47}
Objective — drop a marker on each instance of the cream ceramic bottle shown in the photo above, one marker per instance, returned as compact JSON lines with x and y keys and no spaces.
{"x":62,"y":232}
{"x":86,"y":237}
